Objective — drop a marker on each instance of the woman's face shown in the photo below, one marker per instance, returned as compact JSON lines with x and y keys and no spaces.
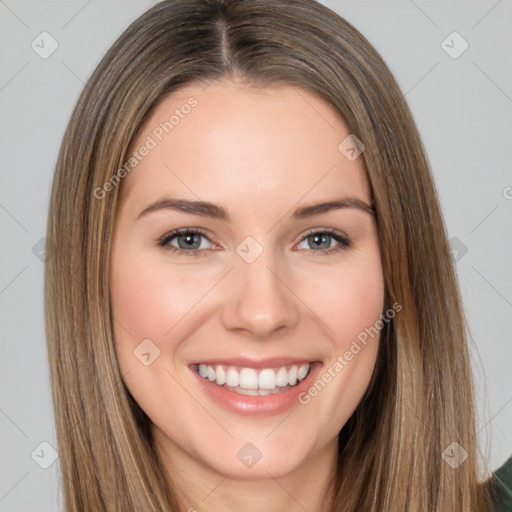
{"x":254,"y":300}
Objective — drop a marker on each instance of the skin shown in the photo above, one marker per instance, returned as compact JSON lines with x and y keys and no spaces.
{"x":260,"y":154}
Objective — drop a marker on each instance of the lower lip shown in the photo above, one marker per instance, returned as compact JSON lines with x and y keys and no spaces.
{"x":267,"y":405}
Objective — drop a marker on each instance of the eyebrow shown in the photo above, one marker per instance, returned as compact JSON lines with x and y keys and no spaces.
{"x":212,"y":210}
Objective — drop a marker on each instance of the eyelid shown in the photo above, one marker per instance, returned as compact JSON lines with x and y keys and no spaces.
{"x":343,"y":240}
{"x":164,"y":240}
{"x":329,"y":231}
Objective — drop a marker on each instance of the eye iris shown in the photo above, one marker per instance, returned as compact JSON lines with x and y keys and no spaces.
{"x":189,"y":238}
{"x":313,"y":239}
{"x":192,"y":240}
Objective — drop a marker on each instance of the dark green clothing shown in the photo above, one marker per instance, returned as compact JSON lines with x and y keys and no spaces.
{"x":501,"y":487}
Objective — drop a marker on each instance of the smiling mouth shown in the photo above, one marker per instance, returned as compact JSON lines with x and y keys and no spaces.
{"x":249,"y":381}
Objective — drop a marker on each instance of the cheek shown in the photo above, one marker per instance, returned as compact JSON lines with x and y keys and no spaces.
{"x":151,"y":301}
{"x":150,"y":298}
{"x":349,"y":305}
{"x":348,"y":301}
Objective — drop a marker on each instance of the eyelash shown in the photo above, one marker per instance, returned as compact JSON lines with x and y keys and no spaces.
{"x":344,"y":242}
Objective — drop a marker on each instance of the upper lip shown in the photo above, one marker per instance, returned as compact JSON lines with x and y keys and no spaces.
{"x":271,"y":362}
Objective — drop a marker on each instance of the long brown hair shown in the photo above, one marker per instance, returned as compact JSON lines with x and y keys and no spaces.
{"x":420,"y":399}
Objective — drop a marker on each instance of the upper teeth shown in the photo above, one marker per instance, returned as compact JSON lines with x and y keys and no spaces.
{"x":249,"y":378}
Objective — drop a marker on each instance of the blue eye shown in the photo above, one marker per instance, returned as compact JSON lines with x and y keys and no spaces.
{"x":318,"y":237}
{"x":189,"y":241}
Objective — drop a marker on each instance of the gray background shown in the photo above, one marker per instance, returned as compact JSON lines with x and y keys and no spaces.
{"x":463,"y":108}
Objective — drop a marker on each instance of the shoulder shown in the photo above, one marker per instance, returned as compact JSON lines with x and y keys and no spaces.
{"x":501,"y":487}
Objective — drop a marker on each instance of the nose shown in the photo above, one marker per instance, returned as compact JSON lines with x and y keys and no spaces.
{"x":260,"y":299}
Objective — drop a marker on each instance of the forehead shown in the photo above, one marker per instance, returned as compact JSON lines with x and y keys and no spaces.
{"x":238,"y":144}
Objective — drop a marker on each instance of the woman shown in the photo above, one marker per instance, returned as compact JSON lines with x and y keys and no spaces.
{"x":194,"y":364}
